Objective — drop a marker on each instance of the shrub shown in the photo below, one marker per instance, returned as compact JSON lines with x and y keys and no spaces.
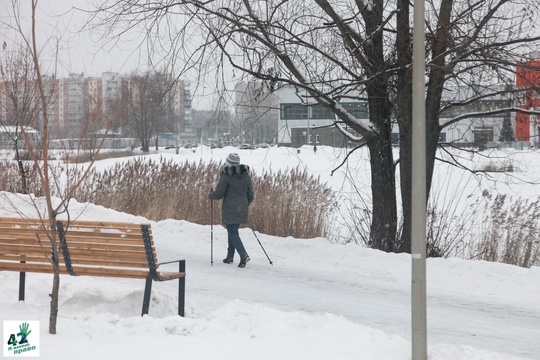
{"x":82,"y":157}
{"x":12,"y":179}
{"x":511,"y":232}
{"x":506,"y":166}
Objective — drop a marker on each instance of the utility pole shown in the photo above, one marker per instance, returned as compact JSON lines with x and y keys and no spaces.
{"x":418,"y":233}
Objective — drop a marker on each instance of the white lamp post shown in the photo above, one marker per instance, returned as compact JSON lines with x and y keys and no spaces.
{"x":418,"y":232}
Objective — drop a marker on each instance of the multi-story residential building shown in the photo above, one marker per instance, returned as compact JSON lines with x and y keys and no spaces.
{"x":20,"y":104}
{"x":104,"y":91}
{"x":71,"y":104}
{"x":79,"y":106}
{"x":181,"y":106}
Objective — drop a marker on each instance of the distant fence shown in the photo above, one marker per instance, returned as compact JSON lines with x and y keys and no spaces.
{"x":89,"y":144}
{"x":11,"y":137}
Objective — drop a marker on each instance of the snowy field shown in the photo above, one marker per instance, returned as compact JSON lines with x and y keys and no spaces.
{"x":317,"y":301}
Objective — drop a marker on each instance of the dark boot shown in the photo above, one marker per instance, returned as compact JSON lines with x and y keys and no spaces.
{"x":243,"y":260}
{"x":228,"y":260}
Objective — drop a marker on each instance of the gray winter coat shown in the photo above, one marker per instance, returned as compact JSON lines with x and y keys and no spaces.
{"x":236,"y":190}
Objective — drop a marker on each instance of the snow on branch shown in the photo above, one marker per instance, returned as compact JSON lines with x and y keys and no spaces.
{"x":347,"y":117}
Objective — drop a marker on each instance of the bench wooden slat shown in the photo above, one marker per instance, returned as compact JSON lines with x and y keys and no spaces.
{"x":19,"y":220}
{"x":111,"y":262}
{"x":23,"y":250}
{"x":105,"y":246}
{"x":125,"y":262}
{"x":104,"y":224}
{"x":76,"y":253}
{"x":88,"y":236}
{"x":27,"y":267}
{"x":78,"y":270}
{"x":31,"y":234}
{"x":82,"y":256}
{"x":25,"y":258}
{"x":14,"y":239}
{"x":23,"y":234}
{"x":109,"y":272}
{"x":107,"y":254}
{"x":74,"y":223}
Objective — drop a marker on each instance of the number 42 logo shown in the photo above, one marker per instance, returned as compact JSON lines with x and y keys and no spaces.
{"x":23,"y":334}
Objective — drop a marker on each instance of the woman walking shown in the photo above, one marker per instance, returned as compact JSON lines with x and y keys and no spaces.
{"x":236,"y":190}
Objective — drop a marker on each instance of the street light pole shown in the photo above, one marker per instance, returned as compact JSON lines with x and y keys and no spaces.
{"x":418,"y":206}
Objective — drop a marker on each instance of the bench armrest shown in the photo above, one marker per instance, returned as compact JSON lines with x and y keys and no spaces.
{"x":181,"y":264}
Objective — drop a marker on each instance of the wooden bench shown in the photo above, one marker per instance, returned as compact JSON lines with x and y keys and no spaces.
{"x":86,"y":248}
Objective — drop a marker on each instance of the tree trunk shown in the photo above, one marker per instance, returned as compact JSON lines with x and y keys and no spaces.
{"x":145,"y":145}
{"x":22,"y":171}
{"x":53,"y":316}
{"x":383,"y":181}
{"x":437,"y":76}
{"x":384,"y":221}
{"x":433,"y":102}
{"x":404,"y":117}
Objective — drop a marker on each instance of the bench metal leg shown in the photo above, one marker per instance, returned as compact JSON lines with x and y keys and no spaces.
{"x":182,"y":289}
{"x":22,"y":282}
{"x":147,"y":293}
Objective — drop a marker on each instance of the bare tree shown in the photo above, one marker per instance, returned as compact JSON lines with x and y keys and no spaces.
{"x":256,"y":110}
{"x":359,"y":50}
{"x":148,"y":105}
{"x":21,"y":110}
{"x":50,"y":181}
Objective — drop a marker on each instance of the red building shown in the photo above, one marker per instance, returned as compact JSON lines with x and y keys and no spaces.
{"x":528,"y":76}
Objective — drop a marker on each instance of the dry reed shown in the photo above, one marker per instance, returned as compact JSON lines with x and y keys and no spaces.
{"x":286,"y":203}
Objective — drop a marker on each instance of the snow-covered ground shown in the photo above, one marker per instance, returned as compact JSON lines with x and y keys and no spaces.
{"x":317,"y":301}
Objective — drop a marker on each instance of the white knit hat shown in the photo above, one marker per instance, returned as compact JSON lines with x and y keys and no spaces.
{"x":233,"y":159}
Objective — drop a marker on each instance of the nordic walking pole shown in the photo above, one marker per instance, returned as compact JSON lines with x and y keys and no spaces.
{"x":271,"y":263}
{"x":211,"y":231}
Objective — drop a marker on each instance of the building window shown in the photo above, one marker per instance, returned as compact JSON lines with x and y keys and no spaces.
{"x":442,"y":137}
{"x":483,"y":135}
{"x":358,"y":109}
{"x":395,"y":138}
{"x":475,"y":107}
{"x":293,"y":111}
{"x":320,"y":112}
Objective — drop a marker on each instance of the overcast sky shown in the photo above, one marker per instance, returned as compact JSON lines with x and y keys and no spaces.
{"x":80,"y":51}
{"x":57,"y":19}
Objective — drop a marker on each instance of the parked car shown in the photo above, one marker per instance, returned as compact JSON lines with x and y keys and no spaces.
{"x":247,"y":147}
